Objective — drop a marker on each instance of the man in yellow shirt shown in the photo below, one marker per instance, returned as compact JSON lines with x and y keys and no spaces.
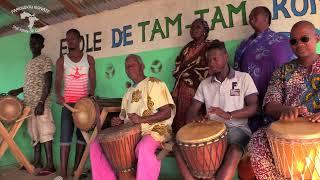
{"x":148,"y":103}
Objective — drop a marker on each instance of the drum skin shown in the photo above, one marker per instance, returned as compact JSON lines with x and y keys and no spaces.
{"x":10,"y":108}
{"x":295,"y":146}
{"x":85,"y":115}
{"x":118,"y":144}
{"x":202,"y":146}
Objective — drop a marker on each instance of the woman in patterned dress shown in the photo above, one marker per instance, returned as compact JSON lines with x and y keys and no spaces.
{"x":190,"y":70}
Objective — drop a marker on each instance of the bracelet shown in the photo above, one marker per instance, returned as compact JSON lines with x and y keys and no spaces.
{"x":230,"y":115}
{"x":41,"y":102}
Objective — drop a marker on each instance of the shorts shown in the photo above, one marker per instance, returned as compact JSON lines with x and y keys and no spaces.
{"x":41,"y":128}
{"x":238,"y":137}
{"x":67,"y":127}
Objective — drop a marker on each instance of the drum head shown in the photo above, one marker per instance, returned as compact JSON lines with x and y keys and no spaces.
{"x":10,"y":108}
{"x":85,"y":116}
{"x":199,"y":132}
{"x":299,"y":129}
{"x":114,"y":133}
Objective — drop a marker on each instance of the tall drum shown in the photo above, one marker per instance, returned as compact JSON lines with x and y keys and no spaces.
{"x":202,"y":146}
{"x":119,"y":145}
{"x":296,"y":148}
{"x":10,"y":108}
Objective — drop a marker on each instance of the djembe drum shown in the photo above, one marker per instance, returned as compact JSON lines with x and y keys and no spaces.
{"x":10,"y":108}
{"x":202,"y":146}
{"x":296,"y":148}
{"x":119,"y":145}
{"x":84,"y":113}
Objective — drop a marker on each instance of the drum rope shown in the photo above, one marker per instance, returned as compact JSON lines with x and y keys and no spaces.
{"x":306,"y":165}
{"x":209,"y":165}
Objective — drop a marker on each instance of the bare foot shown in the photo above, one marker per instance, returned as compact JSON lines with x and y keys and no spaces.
{"x":35,"y":165}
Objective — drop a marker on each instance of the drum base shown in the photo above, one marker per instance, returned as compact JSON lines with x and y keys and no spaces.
{"x":199,"y":176}
{"x":130,"y":175}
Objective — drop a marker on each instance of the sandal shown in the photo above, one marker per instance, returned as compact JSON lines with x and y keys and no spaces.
{"x":45,"y":172}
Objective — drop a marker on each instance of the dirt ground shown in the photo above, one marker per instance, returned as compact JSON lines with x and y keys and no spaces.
{"x":13,"y":173}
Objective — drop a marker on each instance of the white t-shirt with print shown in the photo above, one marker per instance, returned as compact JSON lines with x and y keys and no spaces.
{"x":229,"y":95}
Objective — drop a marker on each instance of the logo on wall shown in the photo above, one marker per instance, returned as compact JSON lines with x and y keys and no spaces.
{"x":109,"y":71}
{"x":28,"y":14}
{"x":156,"y":66}
{"x":128,"y":84}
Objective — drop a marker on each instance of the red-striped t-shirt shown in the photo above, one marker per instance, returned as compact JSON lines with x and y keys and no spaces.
{"x":75,"y":79}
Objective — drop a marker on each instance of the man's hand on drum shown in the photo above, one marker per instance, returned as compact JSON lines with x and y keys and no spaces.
{"x":60,"y":100}
{"x":199,"y":119}
{"x":315,"y":118}
{"x":219,"y":112}
{"x":116,"y":121}
{"x":133,"y":117}
{"x":289,"y":113}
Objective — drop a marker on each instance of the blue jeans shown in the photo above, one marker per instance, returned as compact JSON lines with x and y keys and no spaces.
{"x":67,"y":127}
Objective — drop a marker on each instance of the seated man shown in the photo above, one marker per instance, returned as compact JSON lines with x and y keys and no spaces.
{"x":290,"y":94}
{"x":149,"y":103}
{"x":231,"y":97}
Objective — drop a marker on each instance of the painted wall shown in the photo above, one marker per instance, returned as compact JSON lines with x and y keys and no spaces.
{"x":16,"y":54}
{"x":153,"y":24}
{"x":159,"y":54}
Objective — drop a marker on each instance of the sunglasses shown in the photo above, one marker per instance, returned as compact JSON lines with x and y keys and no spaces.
{"x":303,"y":39}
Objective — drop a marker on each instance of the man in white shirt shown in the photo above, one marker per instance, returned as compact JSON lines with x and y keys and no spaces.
{"x":229,"y":96}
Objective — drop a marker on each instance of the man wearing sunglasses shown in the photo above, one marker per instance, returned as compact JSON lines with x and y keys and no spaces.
{"x":290,"y":94}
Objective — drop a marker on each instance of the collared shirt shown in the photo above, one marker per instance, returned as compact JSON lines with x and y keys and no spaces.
{"x":145,"y":99}
{"x":296,"y":85}
{"x":228,"y":95}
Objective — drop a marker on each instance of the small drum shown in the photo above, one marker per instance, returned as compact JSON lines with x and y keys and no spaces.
{"x":296,"y":148}
{"x":10,"y":108}
{"x":202,"y":146}
{"x":119,"y":145}
{"x":84,"y":113}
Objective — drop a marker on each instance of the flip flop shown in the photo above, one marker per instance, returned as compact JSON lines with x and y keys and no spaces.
{"x":45,"y":173}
